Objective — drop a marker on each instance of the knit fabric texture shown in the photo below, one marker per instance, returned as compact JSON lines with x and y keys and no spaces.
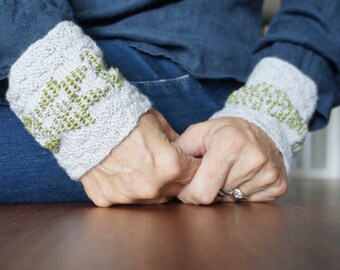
{"x":280,"y":100}
{"x":70,"y":101}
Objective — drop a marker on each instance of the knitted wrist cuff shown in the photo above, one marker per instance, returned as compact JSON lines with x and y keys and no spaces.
{"x":70,"y":102}
{"x":279,"y":99}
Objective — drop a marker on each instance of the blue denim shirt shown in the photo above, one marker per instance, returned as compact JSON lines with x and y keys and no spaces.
{"x":210,"y":39}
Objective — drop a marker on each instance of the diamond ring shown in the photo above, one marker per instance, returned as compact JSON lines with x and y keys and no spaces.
{"x":236,"y":194}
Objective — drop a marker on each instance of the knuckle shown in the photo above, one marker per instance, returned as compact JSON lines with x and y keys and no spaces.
{"x":109,"y":194}
{"x":184,"y":199}
{"x":270,"y":176}
{"x":259,"y":159}
{"x":101,"y":202}
{"x":236,"y":143}
{"x":99,"y":199}
{"x":203,"y":198}
{"x":282,"y":188}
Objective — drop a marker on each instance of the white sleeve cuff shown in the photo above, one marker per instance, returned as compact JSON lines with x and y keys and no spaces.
{"x":70,"y":102}
{"x":280,"y":100}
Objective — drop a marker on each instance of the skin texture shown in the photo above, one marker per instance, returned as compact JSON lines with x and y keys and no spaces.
{"x":146,"y":168}
{"x":235,"y":154}
{"x":153,"y":164}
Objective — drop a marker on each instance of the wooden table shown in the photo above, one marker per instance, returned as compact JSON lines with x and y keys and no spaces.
{"x":299,"y":231}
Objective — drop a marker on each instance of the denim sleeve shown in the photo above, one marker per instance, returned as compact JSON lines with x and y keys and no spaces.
{"x":306,"y":33}
{"x":22,"y":22}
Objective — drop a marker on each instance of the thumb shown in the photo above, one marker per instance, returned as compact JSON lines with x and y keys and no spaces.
{"x":167,"y":129}
{"x":189,"y":165}
{"x":192,"y":141}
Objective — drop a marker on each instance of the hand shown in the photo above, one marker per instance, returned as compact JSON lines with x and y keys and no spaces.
{"x":147,"y":167}
{"x":236,"y":154}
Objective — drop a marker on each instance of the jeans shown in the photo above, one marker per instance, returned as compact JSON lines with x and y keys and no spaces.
{"x":29,"y":173}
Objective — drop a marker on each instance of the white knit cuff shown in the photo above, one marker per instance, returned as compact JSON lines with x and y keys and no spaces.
{"x":280,"y":100}
{"x":70,"y":102}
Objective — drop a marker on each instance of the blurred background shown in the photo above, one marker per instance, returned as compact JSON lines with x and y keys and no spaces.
{"x":320,"y":158}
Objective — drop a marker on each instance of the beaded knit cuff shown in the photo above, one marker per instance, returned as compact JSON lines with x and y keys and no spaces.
{"x":280,"y":100}
{"x":70,"y":102}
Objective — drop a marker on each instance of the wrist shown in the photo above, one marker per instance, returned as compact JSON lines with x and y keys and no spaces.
{"x":70,"y":102}
{"x":280,"y":100}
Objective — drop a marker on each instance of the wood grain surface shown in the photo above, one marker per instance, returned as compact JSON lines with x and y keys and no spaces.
{"x":299,"y":231}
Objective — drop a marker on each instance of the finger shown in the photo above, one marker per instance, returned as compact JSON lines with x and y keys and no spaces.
{"x":248,"y":164}
{"x":186,"y":166}
{"x":94,"y":192}
{"x":192,"y":141}
{"x":208,"y":179}
{"x":261,"y":181}
{"x":113,"y":189}
{"x":271,"y":193}
{"x":255,"y":192}
{"x":267,"y":177}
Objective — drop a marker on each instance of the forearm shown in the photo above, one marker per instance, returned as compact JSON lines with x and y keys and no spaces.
{"x":306,"y":34}
{"x":294,"y":83}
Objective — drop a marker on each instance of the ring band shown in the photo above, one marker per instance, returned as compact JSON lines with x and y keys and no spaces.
{"x":222,"y":192}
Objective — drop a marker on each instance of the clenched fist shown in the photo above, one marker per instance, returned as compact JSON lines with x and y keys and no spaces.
{"x":147,"y":167}
{"x":235,"y":154}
